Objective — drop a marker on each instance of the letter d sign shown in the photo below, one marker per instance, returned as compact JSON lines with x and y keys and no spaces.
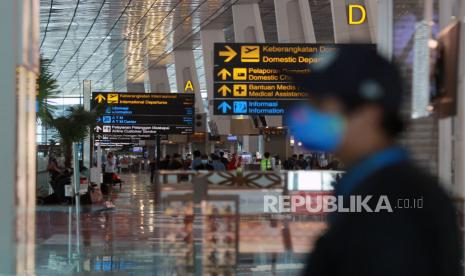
{"x":351,"y":14}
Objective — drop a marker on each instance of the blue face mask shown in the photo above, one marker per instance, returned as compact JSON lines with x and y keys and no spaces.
{"x":319,"y":131}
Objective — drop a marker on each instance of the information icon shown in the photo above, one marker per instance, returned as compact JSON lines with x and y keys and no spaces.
{"x":240,"y":107}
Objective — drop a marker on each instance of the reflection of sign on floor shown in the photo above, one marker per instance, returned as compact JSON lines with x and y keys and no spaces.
{"x":250,"y":53}
{"x":112,"y":98}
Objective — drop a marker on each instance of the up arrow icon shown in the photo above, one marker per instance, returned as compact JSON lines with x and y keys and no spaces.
{"x":99,"y":98}
{"x":224,"y":90}
{"x":224,"y":106}
{"x":97,"y":129}
{"x":224,"y":74}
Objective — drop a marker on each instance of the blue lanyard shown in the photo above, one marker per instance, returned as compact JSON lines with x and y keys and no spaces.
{"x":368,"y":166}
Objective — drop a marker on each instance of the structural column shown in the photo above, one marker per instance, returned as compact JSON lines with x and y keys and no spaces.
{"x":8,"y":146}
{"x":294,"y":21}
{"x":19,"y":70}
{"x":187,"y":80}
{"x":460,"y":120}
{"x":209,"y":37}
{"x":384,"y":27}
{"x":248,"y":28}
{"x":135,"y":87}
{"x":158,"y":79}
{"x":345,"y":33}
{"x":294,"y":25}
{"x":445,"y":139}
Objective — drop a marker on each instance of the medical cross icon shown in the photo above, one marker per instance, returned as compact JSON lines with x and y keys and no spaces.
{"x":240,"y":90}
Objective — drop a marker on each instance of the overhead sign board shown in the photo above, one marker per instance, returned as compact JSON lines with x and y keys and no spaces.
{"x":143,"y":115}
{"x":254,"y":78}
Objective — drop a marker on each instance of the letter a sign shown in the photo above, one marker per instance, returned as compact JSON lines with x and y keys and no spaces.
{"x":189,"y":86}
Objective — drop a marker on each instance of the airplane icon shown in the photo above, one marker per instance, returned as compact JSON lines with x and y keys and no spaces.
{"x":250,"y":53}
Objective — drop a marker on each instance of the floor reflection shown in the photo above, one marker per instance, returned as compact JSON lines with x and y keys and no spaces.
{"x":136,"y":239}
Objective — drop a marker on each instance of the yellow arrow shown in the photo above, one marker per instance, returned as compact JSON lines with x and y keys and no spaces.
{"x":229,"y":54}
{"x":224,"y":90}
{"x":224,"y":74}
{"x":100,"y":98}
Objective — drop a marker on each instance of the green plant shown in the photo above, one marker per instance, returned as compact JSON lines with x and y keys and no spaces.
{"x":47,"y":89}
{"x":74,"y":126}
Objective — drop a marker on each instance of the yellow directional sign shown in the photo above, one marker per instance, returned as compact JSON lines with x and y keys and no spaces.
{"x":250,"y":53}
{"x":229,"y":54}
{"x":112,"y":98}
{"x":224,"y":90}
{"x":100,"y":98}
{"x":189,"y":86}
{"x":239,"y":73}
{"x":240,"y":90}
{"x":224,"y":74}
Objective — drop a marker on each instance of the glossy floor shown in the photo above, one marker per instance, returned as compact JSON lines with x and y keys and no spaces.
{"x":136,"y":239}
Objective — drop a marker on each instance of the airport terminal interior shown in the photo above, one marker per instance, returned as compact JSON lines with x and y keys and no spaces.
{"x":153,"y":137}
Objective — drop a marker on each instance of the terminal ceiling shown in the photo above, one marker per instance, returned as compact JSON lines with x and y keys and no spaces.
{"x":112,"y":42}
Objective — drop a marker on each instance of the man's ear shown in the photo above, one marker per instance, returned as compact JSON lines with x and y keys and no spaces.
{"x":369,"y":115}
{"x":372,"y":114}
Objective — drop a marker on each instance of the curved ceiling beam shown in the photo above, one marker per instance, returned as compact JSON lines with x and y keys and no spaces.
{"x":82,"y":42}
{"x":46,"y":26}
{"x":67,"y":31}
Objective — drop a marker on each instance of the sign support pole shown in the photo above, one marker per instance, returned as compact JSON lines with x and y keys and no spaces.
{"x":76,"y":188}
{"x":157,"y":172}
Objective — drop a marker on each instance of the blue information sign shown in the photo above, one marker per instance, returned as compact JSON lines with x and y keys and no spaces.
{"x":251,"y":107}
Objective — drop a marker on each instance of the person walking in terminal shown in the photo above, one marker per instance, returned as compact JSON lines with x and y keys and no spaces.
{"x":302,"y":164}
{"x":232,"y":164}
{"x":216,"y":163}
{"x":265,"y":163}
{"x":197,"y":159}
{"x":354,"y":112}
{"x":110,"y":169}
{"x":153,"y":168}
{"x":223,"y":159}
{"x":204,"y":165}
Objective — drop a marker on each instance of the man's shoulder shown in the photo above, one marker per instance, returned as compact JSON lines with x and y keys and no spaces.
{"x":403,"y":176}
{"x":407,"y":182}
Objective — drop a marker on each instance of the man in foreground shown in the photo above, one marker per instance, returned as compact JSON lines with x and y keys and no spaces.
{"x":354,"y":112}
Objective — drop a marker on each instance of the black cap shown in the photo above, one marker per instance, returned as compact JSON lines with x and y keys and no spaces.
{"x":356,"y":74}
